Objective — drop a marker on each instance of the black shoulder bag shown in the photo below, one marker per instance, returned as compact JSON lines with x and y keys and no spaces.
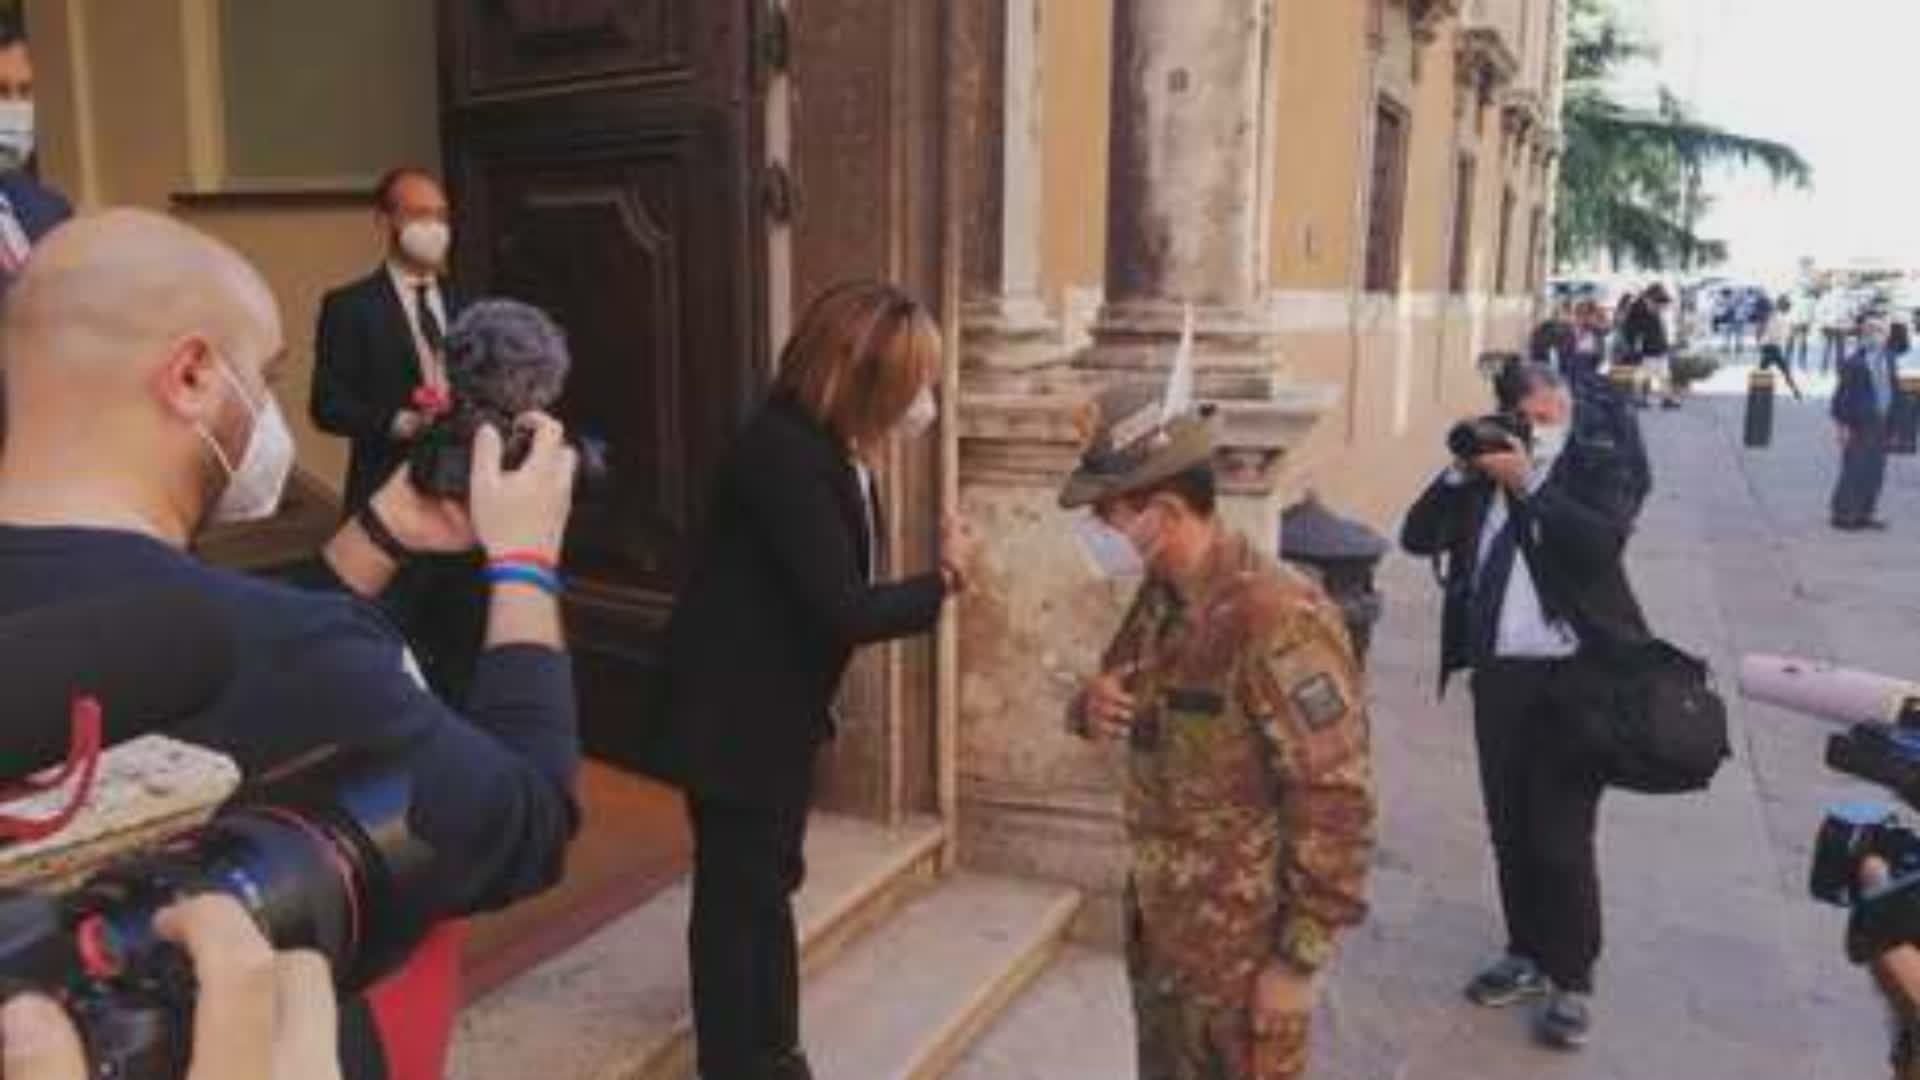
{"x":1661,"y":728}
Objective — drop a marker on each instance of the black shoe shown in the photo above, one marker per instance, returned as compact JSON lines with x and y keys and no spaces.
{"x":1874,"y":525}
{"x":1511,"y":980}
{"x":1847,"y":525}
{"x":1565,"y":1021}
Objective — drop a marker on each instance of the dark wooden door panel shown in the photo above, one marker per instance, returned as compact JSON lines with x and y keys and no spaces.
{"x":601,"y":155}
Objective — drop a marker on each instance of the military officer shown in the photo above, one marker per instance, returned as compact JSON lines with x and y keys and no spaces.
{"x":1249,"y":795}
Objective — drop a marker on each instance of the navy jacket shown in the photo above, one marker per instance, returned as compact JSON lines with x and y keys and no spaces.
{"x":38,"y":207}
{"x":1574,"y":537}
{"x":1853,"y":401}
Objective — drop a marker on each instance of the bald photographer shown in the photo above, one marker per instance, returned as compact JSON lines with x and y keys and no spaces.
{"x":141,"y":358}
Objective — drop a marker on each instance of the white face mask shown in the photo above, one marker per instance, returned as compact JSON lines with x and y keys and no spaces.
{"x":920,"y":415}
{"x":254,"y":486}
{"x":1549,"y":442}
{"x":426,"y":242}
{"x":16,"y":134}
{"x":1109,"y":553}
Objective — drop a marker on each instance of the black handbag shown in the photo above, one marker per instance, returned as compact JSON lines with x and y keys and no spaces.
{"x":1662,"y":729}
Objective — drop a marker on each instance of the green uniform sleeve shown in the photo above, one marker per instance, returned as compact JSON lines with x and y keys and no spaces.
{"x":1300,"y":684}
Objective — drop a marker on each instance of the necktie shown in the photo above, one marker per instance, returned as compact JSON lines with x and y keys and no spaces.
{"x":430,"y":328}
{"x":1490,"y":590}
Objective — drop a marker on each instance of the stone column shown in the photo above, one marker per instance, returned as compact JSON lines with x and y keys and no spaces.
{"x":1187,"y":156}
{"x":1004,"y":319}
{"x":1186,"y":219}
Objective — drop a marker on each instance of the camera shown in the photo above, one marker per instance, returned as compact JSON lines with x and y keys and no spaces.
{"x":1490,"y":434}
{"x":322,"y":858}
{"x":1882,"y":746}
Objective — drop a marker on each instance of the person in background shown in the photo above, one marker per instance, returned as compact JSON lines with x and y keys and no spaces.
{"x":379,"y":355}
{"x":788,"y":584}
{"x":1590,"y":333}
{"x":29,"y":209}
{"x":1553,"y":340}
{"x":1644,"y":342}
{"x":1836,"y":317}
{"x":1861,"y":405}
{"x":1773,"y":345}
{"x":1800,"y":312}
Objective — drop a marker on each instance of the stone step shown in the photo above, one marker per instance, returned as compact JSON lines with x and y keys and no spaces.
{"x":905,"y":1001}
{"x":615,"y":1007}
{"x":1074,"y":1023}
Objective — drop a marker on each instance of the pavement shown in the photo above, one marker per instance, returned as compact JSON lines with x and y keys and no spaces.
{"x":1717,"y":965}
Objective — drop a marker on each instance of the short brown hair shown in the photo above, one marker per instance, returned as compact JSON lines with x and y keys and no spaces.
{"x":863,"y":350}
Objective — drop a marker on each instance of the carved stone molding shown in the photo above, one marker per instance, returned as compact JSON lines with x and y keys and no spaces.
{"x":1430,"y":17}
{"x":1485,"y":61}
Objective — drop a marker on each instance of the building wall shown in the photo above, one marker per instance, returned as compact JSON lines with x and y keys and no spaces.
{"x":1406,"y":362}
{"x":127,"y":119}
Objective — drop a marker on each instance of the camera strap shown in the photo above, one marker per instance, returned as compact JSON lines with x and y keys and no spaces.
{"x":81,"y":769}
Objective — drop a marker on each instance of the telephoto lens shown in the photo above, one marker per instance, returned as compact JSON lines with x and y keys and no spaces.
{"x":322,"y":859}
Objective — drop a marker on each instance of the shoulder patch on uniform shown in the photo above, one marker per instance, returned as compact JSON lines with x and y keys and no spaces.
{"x":1319,"y":701}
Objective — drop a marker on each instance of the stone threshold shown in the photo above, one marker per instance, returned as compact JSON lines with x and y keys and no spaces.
{"x":615,"y":1006}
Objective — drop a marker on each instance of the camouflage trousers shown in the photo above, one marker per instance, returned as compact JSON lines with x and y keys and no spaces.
{"x":1181,"y":1038}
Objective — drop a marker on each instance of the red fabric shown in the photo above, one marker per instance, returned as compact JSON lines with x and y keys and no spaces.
{"x":414,"y":1007}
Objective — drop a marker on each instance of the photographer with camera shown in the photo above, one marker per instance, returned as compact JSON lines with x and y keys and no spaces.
{"x":1533,"y":519}
{"x":139,"y":359}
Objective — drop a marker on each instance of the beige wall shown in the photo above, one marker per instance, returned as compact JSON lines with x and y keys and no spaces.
{"x":1406,"y":363}
{"x":118,"y":120}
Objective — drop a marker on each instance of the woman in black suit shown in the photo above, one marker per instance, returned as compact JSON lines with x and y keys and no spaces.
{"x":785,"y":589}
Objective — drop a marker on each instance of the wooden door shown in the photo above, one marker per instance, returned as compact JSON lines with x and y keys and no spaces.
{"x":602,"y":156}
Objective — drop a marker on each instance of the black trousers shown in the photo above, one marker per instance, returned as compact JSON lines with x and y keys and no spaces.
{"x":747,"y":864}
{"x":1863,"y":471}
{"x":1543,"y":799}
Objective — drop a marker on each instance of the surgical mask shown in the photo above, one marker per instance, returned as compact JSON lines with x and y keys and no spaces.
{"x":1549,"y":442}
{"x":16,"y":134}
{"x":920,"y":415}
{"x":1108,"y":551}
{"x":254,"y":486}
{"x":426,"y":242}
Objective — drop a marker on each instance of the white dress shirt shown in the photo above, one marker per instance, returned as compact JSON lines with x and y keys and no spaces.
{"x":1525,"y":631}
{"x":433,"y":371}
{"x":867,"y":494}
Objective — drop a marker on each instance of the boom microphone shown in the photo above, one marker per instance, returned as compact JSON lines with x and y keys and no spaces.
{"x":1828,"y":691}
{"x":152,"y":657}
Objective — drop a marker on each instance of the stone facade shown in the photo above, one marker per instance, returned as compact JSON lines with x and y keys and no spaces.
{"x":1243,"y":146}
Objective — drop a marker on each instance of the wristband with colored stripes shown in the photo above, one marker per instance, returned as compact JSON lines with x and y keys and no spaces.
{"x":521,"y":573}
{"x":525,"y":556}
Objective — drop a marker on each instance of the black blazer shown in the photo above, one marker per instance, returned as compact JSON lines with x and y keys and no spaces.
{"x":765,"y":627}
{"x":1853,"y":402}
{"x":365,"y":370}
{"x":1574,"y":534}
{"x":39,"y":208}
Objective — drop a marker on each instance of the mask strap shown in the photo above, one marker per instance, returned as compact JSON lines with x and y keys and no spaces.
{"x":83,"y":762}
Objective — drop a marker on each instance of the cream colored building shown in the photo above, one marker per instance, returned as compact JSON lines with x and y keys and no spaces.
{"x":1352,"y":195}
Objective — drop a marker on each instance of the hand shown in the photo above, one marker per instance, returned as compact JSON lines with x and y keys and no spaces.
{"x":959,"y":547}
{"x":1110,"y":708}
{"x":1508,"y":468}
{"x":1282,"y":993}
{"x":526,"y":509}
{"x":423,"y":523}
{"x":259,"y":1014}
{"x":408,"y":424}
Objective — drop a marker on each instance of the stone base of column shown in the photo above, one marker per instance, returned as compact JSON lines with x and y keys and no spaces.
{"x":1009,"y":334}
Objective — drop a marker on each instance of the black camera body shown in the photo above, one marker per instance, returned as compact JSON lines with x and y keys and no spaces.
{"x":441,"y":462}
{"x":1887,"y":755}
{"x":1491,"y":434}
{"x":322,"y":860}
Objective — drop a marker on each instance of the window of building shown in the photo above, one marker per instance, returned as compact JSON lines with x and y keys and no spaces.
{"x":1500,"y":280}
{"x":317,"y":94}
{"x":1537,"y":250}
{"x":1388,"y":201}
{"x":1461,"y":268}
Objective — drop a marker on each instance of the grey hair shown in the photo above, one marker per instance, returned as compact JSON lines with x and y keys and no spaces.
{"x":508,"y":356}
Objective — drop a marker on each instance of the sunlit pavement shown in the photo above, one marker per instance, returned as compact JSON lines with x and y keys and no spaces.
{"x":1718,"y":965}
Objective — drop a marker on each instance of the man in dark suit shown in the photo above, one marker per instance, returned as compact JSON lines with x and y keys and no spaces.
{"x":28,"y":209}
{"x":1861,"y":404}
{"x":379,"y":346}
{"x":1535,"y":534}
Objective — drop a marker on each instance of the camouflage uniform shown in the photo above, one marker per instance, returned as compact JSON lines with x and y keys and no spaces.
{"x":1249,"y":804}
